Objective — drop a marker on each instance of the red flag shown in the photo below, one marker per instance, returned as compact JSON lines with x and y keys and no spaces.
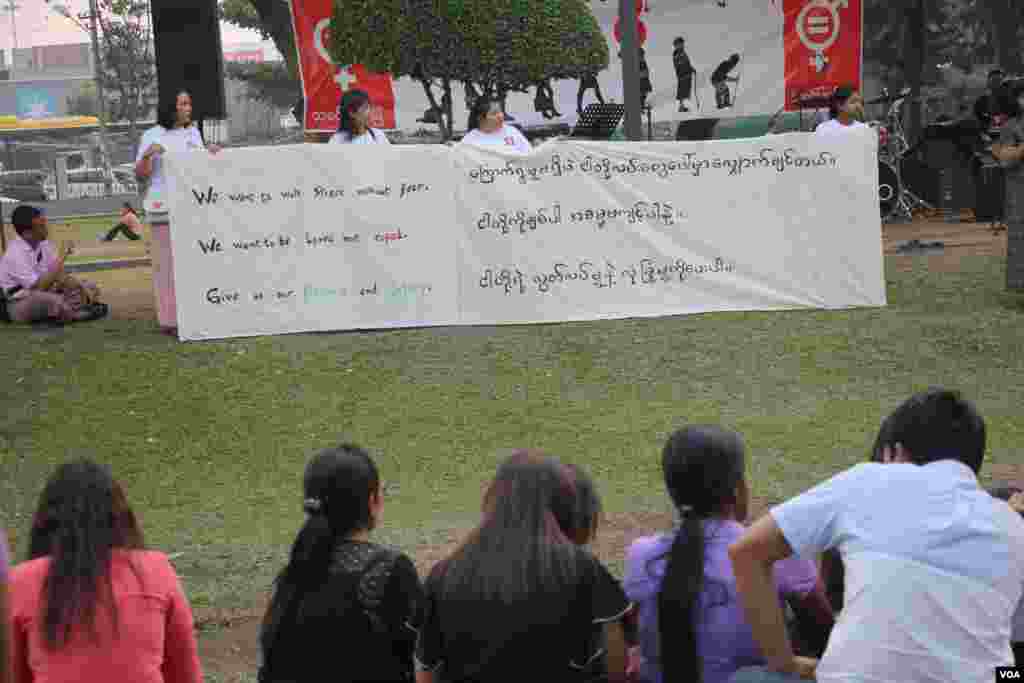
{"x":323,"y":82}
{"x":823,"y":48}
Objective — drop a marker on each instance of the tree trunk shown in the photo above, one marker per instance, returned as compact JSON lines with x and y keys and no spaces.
{"x":914,"y":55}
{"x":1005,"y":23}
{"x":276,"y":18}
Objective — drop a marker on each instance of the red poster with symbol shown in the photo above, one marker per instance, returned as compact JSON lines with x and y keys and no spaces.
{"x":823,"y":43}
{"x":323,"y":82}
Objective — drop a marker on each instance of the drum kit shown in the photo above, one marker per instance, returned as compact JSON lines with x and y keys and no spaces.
{"x":894,"y":195}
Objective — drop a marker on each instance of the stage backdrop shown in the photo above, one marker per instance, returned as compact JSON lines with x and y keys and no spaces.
{"x":330,"y":237}
{"x":786,"y":47}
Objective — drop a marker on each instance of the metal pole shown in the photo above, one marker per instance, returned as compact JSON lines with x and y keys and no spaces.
{"x":630,"y":68}
{"x":101,"y":103}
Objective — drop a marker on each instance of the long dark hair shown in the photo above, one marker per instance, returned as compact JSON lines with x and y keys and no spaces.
{"x":337,"y":487}
{"x":82,"y":517}
{"x":581,"y":528}
{"x":481,"y":106}
{"x":167,"y":110}
{"x":351,"y":102}
{"x":519,"y":551}
{"x":703,"y":466}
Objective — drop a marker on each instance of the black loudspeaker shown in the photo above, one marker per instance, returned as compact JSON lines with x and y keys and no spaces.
{"x":189,"y":54}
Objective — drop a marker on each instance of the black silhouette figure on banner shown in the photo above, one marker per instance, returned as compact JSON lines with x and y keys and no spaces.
{"x":588,"y":82}
{"x":684,"y":73}
{"x":720,"y":78}
{"x":646,"y":87}
{"x":544,"y":100}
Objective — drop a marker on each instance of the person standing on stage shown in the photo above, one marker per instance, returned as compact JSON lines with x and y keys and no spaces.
{"x":588,"y":82}
{"x":991,"y":109}
{"x":720,"y":78}
{"x":1009,"y":151}
{"x":354,"y":122}
{"x":487,"y":128}
{"x":646,"y":86}
{"x":174,"y":132}
{"x":846,"y":111}
{"x":684,"y":73}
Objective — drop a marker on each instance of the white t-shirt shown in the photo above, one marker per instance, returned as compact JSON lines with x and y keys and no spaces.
{"x":834,"y":127}
{"x":934,"y":571}
{"x":508,"y":137}
{"x":174,"y":141}
{"x":376,"y":138}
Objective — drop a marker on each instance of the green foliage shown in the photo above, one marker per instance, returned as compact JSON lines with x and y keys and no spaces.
{"x":271,"y":82}
{"x":84,"y":102}
{"x":513,"y":43}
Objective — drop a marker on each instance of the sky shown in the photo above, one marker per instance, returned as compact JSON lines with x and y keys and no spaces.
{"x":37,"y":24}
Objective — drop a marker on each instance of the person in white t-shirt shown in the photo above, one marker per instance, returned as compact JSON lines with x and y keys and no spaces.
{"x":934,"y":565}
{"x":174,"y":132}
{"x":354,"y":122}
{"x":846,"y":113}
{"x":487,"y":128}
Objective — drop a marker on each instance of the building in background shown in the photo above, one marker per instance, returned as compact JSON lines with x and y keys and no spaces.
{"x":45,"y":78}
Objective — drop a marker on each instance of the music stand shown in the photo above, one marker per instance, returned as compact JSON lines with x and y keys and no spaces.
{"x":599,"y":121}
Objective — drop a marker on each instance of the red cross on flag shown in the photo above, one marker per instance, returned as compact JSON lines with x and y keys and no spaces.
{"x":324,"y":82}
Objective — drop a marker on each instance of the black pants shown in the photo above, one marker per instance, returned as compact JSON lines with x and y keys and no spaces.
{"x":1018,"y":653}
{"x":121,"y":228}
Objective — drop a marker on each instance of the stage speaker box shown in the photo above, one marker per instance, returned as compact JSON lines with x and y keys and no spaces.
{"x":189,"y":54}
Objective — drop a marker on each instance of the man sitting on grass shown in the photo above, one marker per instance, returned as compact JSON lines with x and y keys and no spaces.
{"x":934,"y":564}
{"x":34,"y":286}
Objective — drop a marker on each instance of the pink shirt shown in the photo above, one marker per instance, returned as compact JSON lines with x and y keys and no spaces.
{"x":22,"y":265}
{"x":155,"y":642}
{"x":131,"y":220}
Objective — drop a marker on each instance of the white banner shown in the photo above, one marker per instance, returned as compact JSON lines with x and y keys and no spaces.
{"x":274,"y":240}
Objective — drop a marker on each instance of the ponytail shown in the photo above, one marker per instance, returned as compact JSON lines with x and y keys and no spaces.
{"x":677,"y":603}
{"x":338,"y":484}
{"x":307,"y":569}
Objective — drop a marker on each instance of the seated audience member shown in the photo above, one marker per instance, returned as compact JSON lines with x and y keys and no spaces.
{"x":1014,"y":495}
{"x":692,"y":626}
{"x":339,"y":589}
{"x":832,"y":572}
{"x":33,"y":284}
{"x":5,"y":657}
{"x":933,"y":563}
{"x":518,"y":600}
{"x":92,"y":604}
{"x":128,"y":225}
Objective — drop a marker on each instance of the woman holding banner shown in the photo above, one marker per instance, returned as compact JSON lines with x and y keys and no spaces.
{"x":1010,"y":153}
{"x":354,"y":122}
{"x":487,"y":128}
{"x":174,"y":132}
{"x":846,"y":112}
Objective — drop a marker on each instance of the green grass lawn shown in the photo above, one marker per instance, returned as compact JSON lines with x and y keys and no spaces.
{"x":84,"y":232}
{"x":211,"y":438}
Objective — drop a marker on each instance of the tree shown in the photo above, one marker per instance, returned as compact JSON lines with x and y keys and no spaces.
{"x":127,"y":62}
{"x":84,"y":102}
{"x":273,"y":20}
{"x":270,"y":82}
{"x":491,"y":46}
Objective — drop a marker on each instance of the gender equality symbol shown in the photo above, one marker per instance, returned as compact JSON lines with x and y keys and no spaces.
{"x":818,"y":26}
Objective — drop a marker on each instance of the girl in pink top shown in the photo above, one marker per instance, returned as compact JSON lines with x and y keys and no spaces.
{"x":92,"y":604}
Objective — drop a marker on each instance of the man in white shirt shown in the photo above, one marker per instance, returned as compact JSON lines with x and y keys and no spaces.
{"x":934,"y":564}
{"x":846,"y":113}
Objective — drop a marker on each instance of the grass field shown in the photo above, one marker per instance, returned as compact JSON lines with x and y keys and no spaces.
{"x":210,"y":438}
{"x":84,"y":232}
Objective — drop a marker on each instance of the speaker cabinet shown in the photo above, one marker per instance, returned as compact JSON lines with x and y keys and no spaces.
{"x":189,"y":55}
